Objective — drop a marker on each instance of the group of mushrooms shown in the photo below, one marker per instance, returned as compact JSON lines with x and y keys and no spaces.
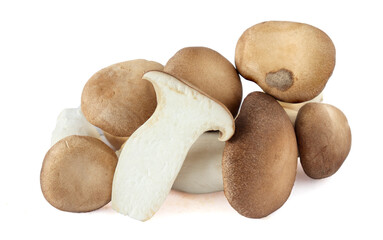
{"x":144,"y":128}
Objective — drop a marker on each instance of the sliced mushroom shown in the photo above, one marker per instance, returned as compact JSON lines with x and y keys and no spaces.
{"x":153,"y":155}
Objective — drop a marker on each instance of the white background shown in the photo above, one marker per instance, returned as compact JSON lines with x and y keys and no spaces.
{"x":49,"y":50}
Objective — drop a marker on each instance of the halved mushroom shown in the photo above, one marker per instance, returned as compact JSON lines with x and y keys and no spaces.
{"x":153,"y":155}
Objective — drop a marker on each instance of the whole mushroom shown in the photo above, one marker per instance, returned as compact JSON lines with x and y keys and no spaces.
{"x":260,"y":161}
{"x":290,"y":61}
{"x":77,"y":174}
{"x":116,"y":100}
{"x":324,"y":139}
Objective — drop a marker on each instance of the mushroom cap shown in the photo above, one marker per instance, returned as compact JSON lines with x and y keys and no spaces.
{"x":260,"y":160}
{"x":324,"y":139}
{"x":288,"y":60}
{"x":210,"y":72}
{"x":116,"y":100}
{"x":77,"y":174}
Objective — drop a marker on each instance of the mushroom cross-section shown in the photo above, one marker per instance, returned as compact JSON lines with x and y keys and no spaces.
{"x":152,"y":157}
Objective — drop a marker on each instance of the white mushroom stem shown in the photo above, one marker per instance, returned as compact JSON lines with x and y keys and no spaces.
{"x":292,"y":109}
{"x":71,"y":121}
{"x":292,"y":114}
{"x":152,"y":157}
{"x":201,"y":171}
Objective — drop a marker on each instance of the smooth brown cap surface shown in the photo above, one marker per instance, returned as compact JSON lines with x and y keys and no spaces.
{"x":260,"y":161}
{"x":210,"y":72}
{"x":117,"y":100}
{"x":77,"y":174}
{"x":288,"y":60}
{"x":324,"y":139}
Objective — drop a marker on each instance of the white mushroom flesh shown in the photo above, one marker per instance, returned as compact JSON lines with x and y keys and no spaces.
{"x":201,"y":171}
{"x":71,"y":121}
{"x":153,"y":155}
{"x":292,"y":109}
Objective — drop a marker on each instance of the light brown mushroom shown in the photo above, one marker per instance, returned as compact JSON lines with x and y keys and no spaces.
{"x":324,"y":139}
{"x":77,"y":174}
{"x":288,"y":60}
{"x":210,"y":72}
{"x":116,"y":100}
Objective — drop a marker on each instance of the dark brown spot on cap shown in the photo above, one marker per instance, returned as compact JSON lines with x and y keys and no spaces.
{"x":281,"y":79}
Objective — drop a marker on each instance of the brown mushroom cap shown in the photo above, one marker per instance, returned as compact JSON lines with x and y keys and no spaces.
{"x":260,"y":160}
{"x":77,"y":174}
{"x":210,"y":72}
{"x":117,"y":100}
{"x":288,"y":60}
{"x":324,"y":139}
